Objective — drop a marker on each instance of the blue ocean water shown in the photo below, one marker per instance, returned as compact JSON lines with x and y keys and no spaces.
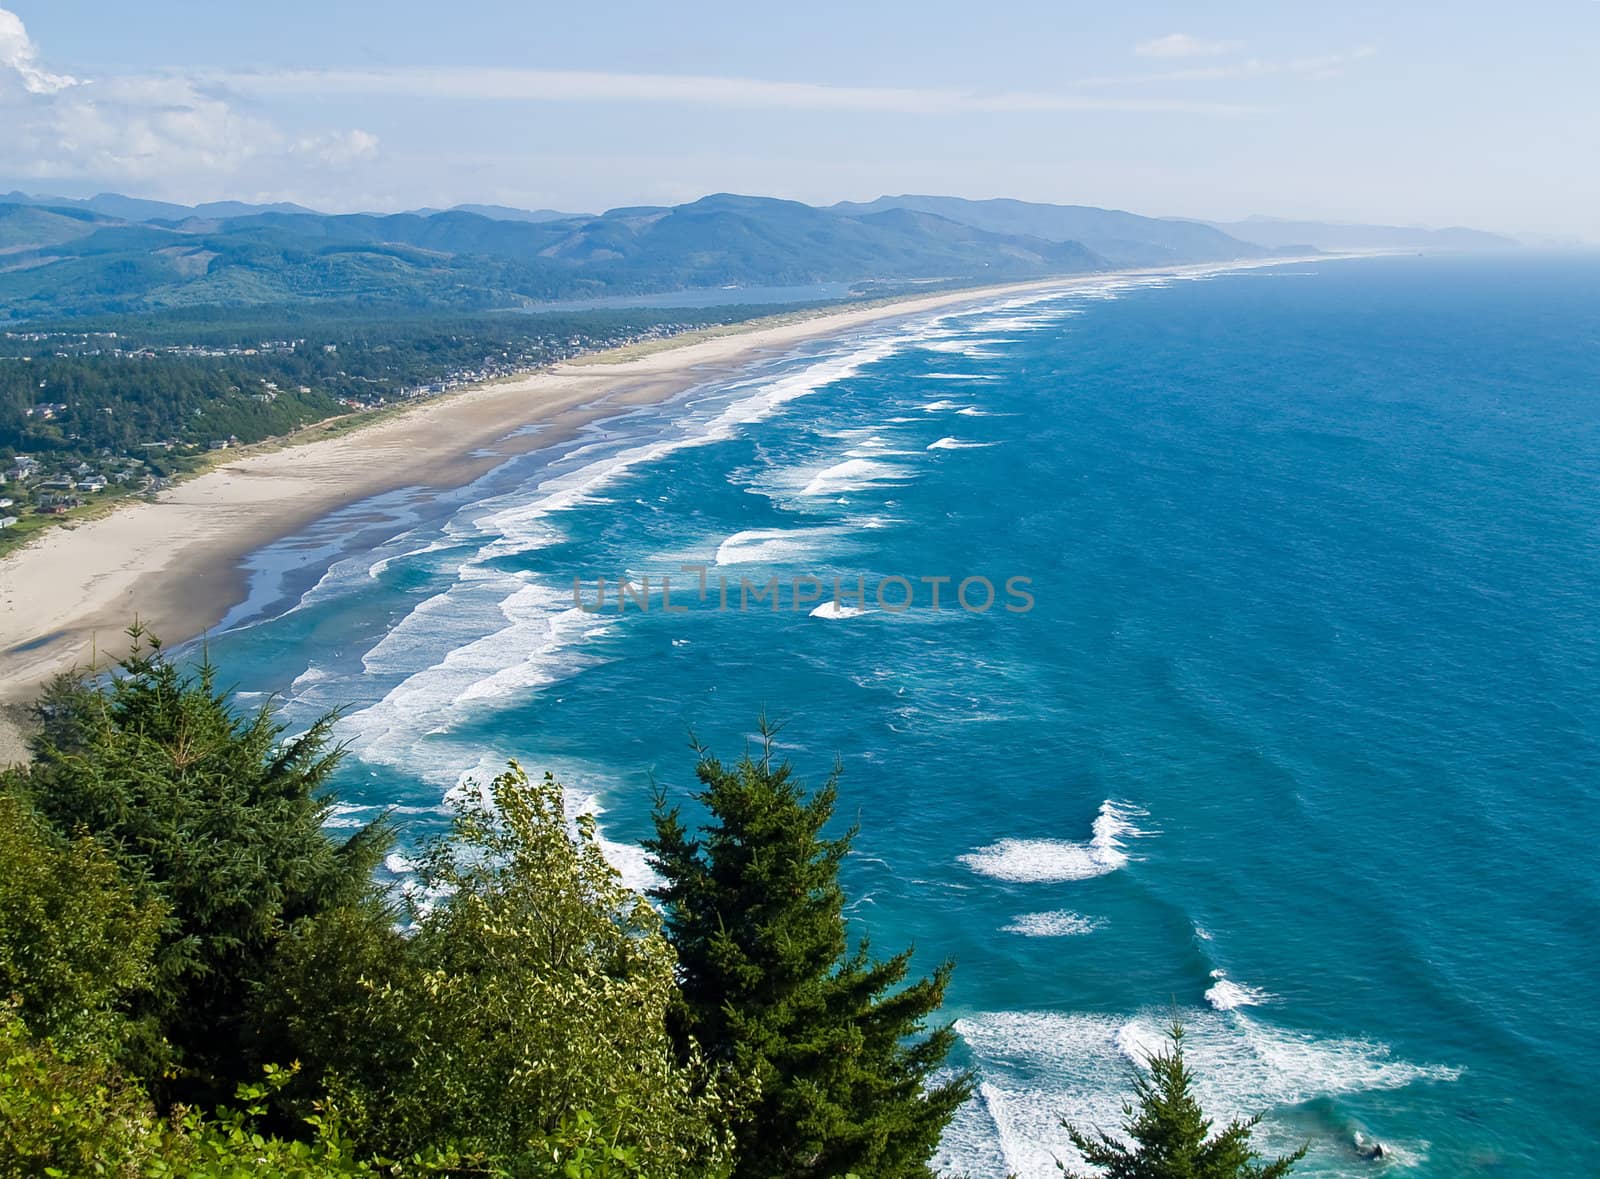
{"x":1300,"y":739}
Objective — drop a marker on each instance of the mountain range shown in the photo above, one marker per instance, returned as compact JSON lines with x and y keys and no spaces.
{"x":1332,"y":235}
{"x":112,"y":253}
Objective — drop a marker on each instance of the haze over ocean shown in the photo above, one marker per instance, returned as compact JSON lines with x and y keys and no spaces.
{"x":1300,"y":738}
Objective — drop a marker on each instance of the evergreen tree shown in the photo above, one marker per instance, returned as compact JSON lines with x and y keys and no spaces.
{"x":1170,"y":1135}
{"x":770,"y":988}
{"x":217,"y":817}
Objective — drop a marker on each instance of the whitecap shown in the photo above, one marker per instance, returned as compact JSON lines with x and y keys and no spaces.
{"x":836,"y":610}
{"x":1225,"y":994}
{"x":855,"y":474}
{"x":958,"y":444}
{"x":1058,"y":923}
{"x":773,"y":546}
{"x":1040,"y":861}
{"x":1037,"y":1068}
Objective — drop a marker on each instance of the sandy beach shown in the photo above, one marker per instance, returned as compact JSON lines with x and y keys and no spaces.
{"x":175,"y":562}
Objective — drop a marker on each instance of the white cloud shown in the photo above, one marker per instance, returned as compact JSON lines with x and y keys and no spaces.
{"x":1183,"y":45}
{"x":165,"y":131}
{"x":340,"y":147}
{"x":19,"y":55}
{"x":537,"y":85}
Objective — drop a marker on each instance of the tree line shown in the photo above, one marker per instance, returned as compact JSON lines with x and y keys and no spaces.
{"x":198,"y":979}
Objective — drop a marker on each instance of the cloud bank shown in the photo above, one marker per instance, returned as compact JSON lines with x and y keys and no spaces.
{"x":539,"y":85}
{"x":171,"y":129}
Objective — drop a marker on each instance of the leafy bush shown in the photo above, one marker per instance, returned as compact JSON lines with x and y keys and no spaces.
{"x":525,"y":1017}
{"x":75,"y":939}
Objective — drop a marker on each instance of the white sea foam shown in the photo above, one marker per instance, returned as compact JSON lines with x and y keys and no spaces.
{"x":774,"y":546}
{"x":1058,"y":923}
{"x":311,"y":675}
{"x":976,"y":348}
{"x":1040,"y":861}
{"x":939,"y":406}
{"x":836,"y":610}
{"x":855,"y":474}
{"x":958,"y":444}
{"x":1225,"y":994}
{"x":494,"y":634}
{"x":1037,"y":1068}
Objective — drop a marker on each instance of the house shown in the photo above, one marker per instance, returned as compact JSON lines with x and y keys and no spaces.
{"x":6,"y":503}
{"x":7,"y":521}
{"x":63,"y":483}
{"x":93,"y":483}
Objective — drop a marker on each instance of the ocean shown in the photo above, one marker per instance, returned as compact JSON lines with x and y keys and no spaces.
{"x":1284,"y":718}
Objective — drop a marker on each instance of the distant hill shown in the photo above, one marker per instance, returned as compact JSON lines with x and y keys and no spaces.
{"x":114,"y":254}
{"x":504,"y":213}
{"x":1325,"y":235}
{"x":125,"y":208}
{"x":1125,"y":239}
{"x":73,"y":261}
{"x":25,"y":226}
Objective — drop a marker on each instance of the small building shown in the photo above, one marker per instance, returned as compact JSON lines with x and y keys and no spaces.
{"x":7,"y":521}
{"x":93,"y":483}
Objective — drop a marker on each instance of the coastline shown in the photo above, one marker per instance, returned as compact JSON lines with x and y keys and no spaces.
{"x":176,"y":562}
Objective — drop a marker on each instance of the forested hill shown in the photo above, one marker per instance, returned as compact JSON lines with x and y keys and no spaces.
{"x":80,"y":259}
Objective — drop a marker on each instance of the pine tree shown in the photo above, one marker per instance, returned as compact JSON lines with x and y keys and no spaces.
{"x":770,"y":988}
{"x":215,"y":815}
{"x":1170,"y":1134}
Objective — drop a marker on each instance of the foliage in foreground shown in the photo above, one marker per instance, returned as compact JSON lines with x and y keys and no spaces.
{"x":76,"y":940}
{"x":217,"y":819}
{"x":1168,"y":1135}
{"x":771,"y":989}
{"x":198,"y":982}
{"x":524,"y":1017}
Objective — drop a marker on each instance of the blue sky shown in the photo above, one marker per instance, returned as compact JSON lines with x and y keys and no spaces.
{"x":1466,"y":113}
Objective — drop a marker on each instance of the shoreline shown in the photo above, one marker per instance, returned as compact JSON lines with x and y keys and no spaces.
{"x":177,"y":562}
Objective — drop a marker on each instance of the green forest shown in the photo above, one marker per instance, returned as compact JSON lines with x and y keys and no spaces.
{"x":198,"y":979}
{"x":128,"y":381}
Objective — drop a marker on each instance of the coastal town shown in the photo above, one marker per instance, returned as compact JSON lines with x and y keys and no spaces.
{"x":68,"y":398}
